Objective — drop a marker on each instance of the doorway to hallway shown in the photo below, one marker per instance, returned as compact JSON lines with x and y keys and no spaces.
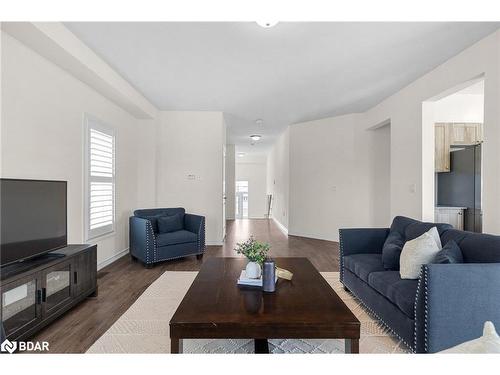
{"x":241,"y":200}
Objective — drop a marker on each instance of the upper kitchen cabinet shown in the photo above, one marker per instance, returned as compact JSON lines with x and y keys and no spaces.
{"x":454,"y":134}
{"x":442,"y":148}
{"x":466,"y":134}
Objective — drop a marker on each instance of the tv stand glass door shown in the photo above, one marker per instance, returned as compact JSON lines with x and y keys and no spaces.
{"x":21,"y":304}
{"x":57,"y":287}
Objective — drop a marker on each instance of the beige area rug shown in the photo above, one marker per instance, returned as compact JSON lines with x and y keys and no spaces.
{"x":144,"y":327}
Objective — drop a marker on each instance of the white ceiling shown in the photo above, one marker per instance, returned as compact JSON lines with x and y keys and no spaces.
{"x":290,"y":73}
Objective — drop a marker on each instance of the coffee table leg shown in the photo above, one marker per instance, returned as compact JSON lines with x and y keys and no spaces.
{"x":175,"y":345}
{"x":352,"y":346}
{"x":261,"y":346}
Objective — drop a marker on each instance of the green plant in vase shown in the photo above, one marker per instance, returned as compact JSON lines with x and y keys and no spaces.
{"x":256,"y":253}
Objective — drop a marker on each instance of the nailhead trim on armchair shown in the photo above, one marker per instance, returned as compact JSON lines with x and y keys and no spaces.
{"x":143,"y":241}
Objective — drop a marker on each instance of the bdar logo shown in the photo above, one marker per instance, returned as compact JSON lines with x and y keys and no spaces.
{"x":8,"y":346}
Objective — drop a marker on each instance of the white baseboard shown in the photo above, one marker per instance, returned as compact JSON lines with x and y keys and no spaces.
{"x":281,"y":226}
{"x":214,"y":243}
{"x":314,"y":236}
{"x":110,"y":260}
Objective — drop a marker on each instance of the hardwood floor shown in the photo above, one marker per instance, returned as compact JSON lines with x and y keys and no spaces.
{"x":123,"y":281}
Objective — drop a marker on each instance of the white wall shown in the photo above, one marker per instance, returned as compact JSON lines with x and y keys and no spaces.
{"x":192,"y":143}
{"x":411,"y":143}
{"x":146,"y":174}
{"x":254,"y":170}
{"x":230,"y":181}
{"x":329,"y":177}
{"x":278,"y":178}
{"x":460,"y":108}
{"x":42,"y":129}
{"x":335,"y":152}
{"x":380,"y":176}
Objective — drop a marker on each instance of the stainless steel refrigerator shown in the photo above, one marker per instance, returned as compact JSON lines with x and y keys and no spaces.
{"x":461,"y":187}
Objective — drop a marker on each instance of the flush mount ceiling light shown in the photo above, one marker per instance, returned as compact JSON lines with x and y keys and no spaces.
{"x":241,"y":154}
{"x":267,"y":24}
{"x":255,"y":137}
{"x":259,"y":122}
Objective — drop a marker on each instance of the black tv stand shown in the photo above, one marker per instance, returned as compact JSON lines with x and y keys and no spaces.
{"x":37,"y":291}
{"x":55,"y":255}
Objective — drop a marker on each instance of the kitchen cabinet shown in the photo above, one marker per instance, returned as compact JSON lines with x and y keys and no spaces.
{"x":450,"y":215}
{"x":442,"y":148}
{"x":465,"y":134}
{"x":453,"y":134}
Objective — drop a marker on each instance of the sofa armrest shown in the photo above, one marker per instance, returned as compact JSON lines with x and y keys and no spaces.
{"x":453,"y":302}
{"x":142,"y":240}
{"x":362,"y":240}
{"x":196,"y":224}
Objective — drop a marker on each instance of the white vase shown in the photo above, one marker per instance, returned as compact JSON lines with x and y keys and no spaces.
{"x":253,"y":270}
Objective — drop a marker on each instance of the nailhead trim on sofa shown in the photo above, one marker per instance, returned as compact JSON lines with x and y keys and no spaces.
{"x":341,"y":260}
{"x":420,"y":277}
{"x":426,"y":307}
{"x":341,"y":263}
{"x":381,"y":320}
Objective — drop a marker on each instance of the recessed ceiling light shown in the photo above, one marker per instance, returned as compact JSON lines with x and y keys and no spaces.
{"x":255,"y":137}
{"x":259,"y":121}
{"x":267,"y":24}
{"x":241,"y":154}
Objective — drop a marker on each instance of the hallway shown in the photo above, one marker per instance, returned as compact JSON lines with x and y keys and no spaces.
{"x":322,"y":254}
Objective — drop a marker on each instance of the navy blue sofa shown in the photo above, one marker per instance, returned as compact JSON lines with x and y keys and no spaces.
{"x":447,"y":305}
{"x":150,"y":246}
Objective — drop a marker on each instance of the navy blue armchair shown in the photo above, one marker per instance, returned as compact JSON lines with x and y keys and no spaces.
{"x":150,"y":245}
{"x":446,"y":306}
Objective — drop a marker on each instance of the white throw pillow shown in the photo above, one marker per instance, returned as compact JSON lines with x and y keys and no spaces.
{"x":435,"y":234}
{"x":415,"y":253}
{"x":489,"y":342}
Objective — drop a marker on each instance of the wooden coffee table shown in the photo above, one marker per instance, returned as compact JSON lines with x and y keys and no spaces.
{"x":306,"y":307}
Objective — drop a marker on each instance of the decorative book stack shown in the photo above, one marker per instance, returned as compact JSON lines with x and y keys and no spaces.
{"x":246,"y":281}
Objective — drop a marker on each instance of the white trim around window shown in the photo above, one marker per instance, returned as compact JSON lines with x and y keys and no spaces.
{"x":99,"y":178}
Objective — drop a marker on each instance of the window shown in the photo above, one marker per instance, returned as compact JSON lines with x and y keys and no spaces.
{"x":100,"y":178}
{"x":241,"y":199}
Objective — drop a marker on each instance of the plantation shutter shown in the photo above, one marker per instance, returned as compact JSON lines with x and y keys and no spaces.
{"x":101,"y":179}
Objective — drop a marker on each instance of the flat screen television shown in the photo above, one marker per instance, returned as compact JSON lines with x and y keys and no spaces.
{"x":33,"y":218}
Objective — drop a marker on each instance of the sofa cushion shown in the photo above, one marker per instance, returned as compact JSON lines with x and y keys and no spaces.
{"x":404,"y":229}
{"x":475,"y":247}
{"x":449,"y":254}
{"x":394,"y":242}
{"x":418,"y":228}
{"x":154,"y":221}
{"x":159,"y":211}
{"x":363,"y":264}
{"x":172,"y":223}
{"x":174,"y":238}
{"x":400,"y":292}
